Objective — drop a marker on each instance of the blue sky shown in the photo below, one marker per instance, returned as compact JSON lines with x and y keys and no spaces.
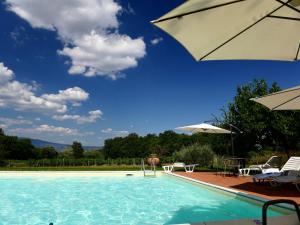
{"x":71,"y":74}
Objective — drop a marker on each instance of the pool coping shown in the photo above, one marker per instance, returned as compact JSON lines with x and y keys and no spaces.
{"x":74,"y":173}
{"x":231,"y":191}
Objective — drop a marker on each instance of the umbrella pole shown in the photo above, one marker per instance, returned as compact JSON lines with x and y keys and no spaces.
{"x":297,"y":52}
{"x":232,"y":147}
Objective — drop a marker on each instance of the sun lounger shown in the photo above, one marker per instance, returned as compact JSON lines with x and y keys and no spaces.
{"x":293,"y":164}
{"x":168,"y":168}
{"x":188,"y":168}
{"x":293,"y":177}
{"x":272,"y":162}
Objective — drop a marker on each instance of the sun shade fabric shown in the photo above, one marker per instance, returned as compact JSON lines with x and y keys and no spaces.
{"x":288,"y":99}
{"x":204,"y":128}
{"x":242,"y":29}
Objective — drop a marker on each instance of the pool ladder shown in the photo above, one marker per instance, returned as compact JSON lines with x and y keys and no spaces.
{"x":151,"y":172}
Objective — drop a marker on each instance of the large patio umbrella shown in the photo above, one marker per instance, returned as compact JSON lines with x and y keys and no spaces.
{"x":236,"y":29}
{"x":204,"y":128}
{"x":207,"y":128}
{"x":288,"y":99}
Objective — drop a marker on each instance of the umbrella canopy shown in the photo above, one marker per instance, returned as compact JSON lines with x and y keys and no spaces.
{"x":288,"y":99}
{"x":236,"y":29}
{"x":204,"y":128}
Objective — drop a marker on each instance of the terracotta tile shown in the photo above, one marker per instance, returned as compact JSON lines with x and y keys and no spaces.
{"x":245,"y":184}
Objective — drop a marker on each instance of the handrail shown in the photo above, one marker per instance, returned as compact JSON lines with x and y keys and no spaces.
{"x":152,"y":167}
{"x":274,"y":202}
{"x":143,"y":166}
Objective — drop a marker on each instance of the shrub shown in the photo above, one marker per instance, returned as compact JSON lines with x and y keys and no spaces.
{"x":196,"y":153}
{"x":262,"y":156}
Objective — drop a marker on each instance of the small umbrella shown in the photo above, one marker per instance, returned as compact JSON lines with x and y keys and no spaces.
{"x":204,"y":128}
{"x":207,"y":128}
{"x":236,"y":29}
{"x":288,"y":99}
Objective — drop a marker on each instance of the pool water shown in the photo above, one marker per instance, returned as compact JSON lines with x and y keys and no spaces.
{"x":116,"y":200}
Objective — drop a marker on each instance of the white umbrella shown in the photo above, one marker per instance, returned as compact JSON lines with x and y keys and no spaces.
{"x":204,"y":128}
{"x":236,"y":29}
{"x":207,"y":128}
{"x":288,"y":99}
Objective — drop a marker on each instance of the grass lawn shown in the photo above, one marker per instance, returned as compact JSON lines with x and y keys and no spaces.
{"x":73,"y":168}
{"x":88,"y":168}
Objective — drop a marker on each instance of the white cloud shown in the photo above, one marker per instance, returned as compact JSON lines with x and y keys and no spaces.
{"x":115,"y":133}
{"x":21,"y":96}
{"x":73,"y":95}
{"x":104,"y":55}
{"x":50,"y":129}
{"x":5,"y":74}
{"x":90,"y":118}
{"x":155,"y":41}
{"x":11,"y":122}
{"x":89,"y":30}
{"x":3,"y":126}
{"x":53,"y":129}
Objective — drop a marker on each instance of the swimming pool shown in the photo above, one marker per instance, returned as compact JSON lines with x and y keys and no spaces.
{"x":116,"y":200}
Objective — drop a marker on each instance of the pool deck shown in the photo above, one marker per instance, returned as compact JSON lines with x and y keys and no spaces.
{"x":282,"y":220}
{"x":246,"y":185}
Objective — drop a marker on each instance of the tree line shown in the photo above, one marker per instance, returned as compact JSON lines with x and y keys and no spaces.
{"x":165,"y":144}
{"x":14,"y":148}
{"x":260,"y":129}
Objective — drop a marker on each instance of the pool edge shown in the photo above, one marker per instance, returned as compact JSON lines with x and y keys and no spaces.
{"x":231,"y":191}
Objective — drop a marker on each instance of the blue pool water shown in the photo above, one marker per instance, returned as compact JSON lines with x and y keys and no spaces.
{"x":115,"y":200}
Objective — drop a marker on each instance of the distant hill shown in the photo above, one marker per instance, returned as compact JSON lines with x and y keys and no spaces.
{"x":59,"y":147}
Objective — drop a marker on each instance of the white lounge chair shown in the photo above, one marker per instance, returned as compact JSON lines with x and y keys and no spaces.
{"x":293,"y":164}
{"x":188,"y":168}
{"x":271,"y":163}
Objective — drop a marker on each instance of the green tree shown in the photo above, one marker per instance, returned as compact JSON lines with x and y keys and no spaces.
{"x":1,"y":132}
{"x":261,"y":127}
{"x":94,"y":154}
{"x":196,"y":153}
{"x":45,"y":153}
{"x":169,"y":142}
{"x":77,"y":150}
{"x":14,"y":148}
{"x":67,"y":153}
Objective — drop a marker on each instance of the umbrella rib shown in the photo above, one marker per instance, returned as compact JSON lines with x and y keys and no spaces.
{"x":289,"y":6}
{"x":277,"y":93}
{"x":276,"y":107}
{"x":284,"y":17}
{"x":196,"y":11}
{"x":241,"y":32}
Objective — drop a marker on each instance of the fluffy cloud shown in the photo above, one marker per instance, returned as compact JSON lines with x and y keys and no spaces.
{"x":155,"y":41}
{"x":5,"y":73}
{"x":73,"y":95}
{"x":3,"y":126}
{"x":89,"y":30}
{"x":115,"y":133}
{"x":6,"y":122}
{"x":90,"y":118}
{"x":45,"y":128}
{"x":96,"y":54}
{"x":22,"y":96}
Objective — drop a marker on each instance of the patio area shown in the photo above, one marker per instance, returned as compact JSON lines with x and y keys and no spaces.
{"x":245,"y":184}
